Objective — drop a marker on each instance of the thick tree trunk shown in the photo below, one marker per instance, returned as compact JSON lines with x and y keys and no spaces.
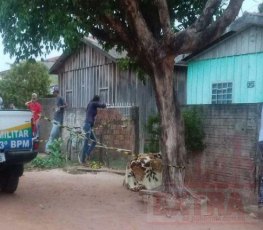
{"x":172,"y":136}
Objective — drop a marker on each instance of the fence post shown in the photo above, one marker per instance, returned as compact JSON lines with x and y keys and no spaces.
{"x":135,"y":120}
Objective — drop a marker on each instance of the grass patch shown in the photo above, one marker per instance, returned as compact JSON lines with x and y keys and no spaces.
{"x":53,"y":160}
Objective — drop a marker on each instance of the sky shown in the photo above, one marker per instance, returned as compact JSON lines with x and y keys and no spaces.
{"x":5,"y":60}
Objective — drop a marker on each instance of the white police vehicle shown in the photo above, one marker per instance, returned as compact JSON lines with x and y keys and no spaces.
{"x":17,"y":146}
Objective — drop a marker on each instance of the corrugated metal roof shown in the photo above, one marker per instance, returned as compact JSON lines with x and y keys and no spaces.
{"x":112,"y":54}
{"x":245,"y":21}
{"x":240,"y":24}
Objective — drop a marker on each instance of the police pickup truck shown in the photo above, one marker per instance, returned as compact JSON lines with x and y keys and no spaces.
{"x":17,"y":147}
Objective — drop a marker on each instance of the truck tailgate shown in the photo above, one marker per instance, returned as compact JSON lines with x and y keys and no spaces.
{"x":15,"y":132}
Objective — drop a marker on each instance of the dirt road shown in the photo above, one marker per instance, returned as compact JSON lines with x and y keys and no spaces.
{"x":54,"y":199}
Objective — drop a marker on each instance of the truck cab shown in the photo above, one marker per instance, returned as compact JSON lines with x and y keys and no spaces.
{"x":17,"y":147}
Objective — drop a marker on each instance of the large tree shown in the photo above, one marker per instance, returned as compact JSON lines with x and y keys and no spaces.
{"x":23,"y":79}
{"x":153,"y":32}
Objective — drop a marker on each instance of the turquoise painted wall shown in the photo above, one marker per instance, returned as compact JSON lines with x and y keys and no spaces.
{"x":236,"y":69}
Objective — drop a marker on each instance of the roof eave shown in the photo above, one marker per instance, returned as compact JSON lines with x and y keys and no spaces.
{"x":210,"y":45}
{"x":61,"y":60}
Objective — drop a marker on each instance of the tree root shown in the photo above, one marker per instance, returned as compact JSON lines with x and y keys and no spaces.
{"x":159,"y":192}
{"x":168,"y":201}
{"x":200,"y":198}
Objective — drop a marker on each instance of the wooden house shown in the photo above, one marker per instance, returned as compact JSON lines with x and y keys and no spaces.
{"x":90,"y":70}
{"x":230,"y":70}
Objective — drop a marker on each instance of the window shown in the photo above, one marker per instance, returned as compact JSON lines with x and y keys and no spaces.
{"x":222,"y":93}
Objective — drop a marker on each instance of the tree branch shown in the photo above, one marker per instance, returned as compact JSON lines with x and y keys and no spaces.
{"x":118,"y":27}
{"x":225,"y":20}
{"x":145,"y":40}
{"x":121,"y":36}
{"x":191,"y":39}
{"x":164,"y":17}
{"x":206,"y":17}
{"x":105,"y":35}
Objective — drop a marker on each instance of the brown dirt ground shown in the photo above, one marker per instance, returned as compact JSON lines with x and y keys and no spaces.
{"x":55,"y":199}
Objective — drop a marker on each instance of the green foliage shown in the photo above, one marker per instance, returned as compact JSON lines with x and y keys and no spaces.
{"x":22,"y":80}
{"x":153,"y":130}
{"x":194,"y":133}
{"x":186,"y":12}
{"x":31,"y":27}
{"x":95,"y":165}
{"x":129,"y":64}
{"x":53,"y":79}
{"x":54,"y":160}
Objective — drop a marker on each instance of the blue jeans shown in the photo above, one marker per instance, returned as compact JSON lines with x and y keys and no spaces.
{"x":90,"y":137}
{"x":54,"y":134}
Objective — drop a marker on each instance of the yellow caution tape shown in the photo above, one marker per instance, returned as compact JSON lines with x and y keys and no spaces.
{"x":83,"y":136}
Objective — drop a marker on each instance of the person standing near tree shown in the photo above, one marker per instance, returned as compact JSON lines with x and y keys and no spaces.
{"x":57,"y":120}
{"x":35,"y":107}
{"x":91,"y":113}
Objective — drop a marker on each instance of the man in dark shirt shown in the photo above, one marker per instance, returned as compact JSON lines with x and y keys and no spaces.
{"x":91,"y":113}
{"x":58,"y":119}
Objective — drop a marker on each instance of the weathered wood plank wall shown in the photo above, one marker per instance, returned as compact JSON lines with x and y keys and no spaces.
{"x":91,"y":71}
{"x":245,"y":42}
{"x":85,"y":74}
{"x":236,"y":60}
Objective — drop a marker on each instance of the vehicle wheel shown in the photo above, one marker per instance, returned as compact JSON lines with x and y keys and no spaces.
{"x":9,"y":184}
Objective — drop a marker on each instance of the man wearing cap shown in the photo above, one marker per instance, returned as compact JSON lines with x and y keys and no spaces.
{"x":57,"y":120}
{"x":35,"y":107}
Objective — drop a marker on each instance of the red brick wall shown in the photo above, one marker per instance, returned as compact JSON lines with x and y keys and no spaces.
{"x":231,"y":138}
{"x":111,"y":129}
{"x":114,"y":129}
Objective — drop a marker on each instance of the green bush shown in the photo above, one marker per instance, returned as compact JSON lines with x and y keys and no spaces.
{"x":153,"y":131}
{"x":54,"y":160}
{"x":194,"y":133}
{"x":22,"y":80}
